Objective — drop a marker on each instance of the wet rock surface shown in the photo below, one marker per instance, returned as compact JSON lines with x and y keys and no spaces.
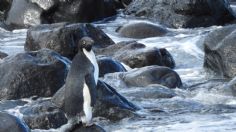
{"x":63,"y":37}
{"x":151,"y":75}
{"x":39,"y":73}
{"x":137,"y":55}
{"x":109,"y":65}
{"x":220,"y":52}
{"x":10,"y":123}
{"x":23,"y":14}
{"x":141,"y":30}
{"x":26,"y":13}
{"x":43,"y":114}
{"x":183,"y":13}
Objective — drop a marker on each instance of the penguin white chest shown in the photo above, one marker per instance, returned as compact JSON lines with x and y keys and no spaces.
{"x":87,"y":105}
{"x":91,"y":56}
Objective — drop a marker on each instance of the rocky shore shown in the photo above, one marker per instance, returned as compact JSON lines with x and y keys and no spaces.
{"x":32,"y":82}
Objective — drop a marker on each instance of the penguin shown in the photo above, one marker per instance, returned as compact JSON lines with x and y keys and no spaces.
{"x":80,"y":84}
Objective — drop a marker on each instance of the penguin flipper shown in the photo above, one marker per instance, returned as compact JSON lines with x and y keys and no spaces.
{"x":90,"y":81}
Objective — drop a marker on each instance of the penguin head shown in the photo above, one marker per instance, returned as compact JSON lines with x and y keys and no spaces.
{"x":86,"y":43}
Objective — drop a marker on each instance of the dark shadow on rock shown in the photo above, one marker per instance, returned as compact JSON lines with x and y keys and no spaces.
{"x":109,"y":65}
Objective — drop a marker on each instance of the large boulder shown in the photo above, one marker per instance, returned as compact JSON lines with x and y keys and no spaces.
{"x":10,"y":123}
{"x":42,"y":114}
{"x":183,"y":13}
{"x":145,"y":76}
{"x":39,"y":73}
{"x":141,"y":30}
{"x":220,"y":51}
{"x":63,"y":37}
{"x":81,"y":11}
{"x":109,"y":65}
{"x":23,"y":13}
{"x":137,"y":55}
{"x":26,"y":13}
{"x":110,"y":104}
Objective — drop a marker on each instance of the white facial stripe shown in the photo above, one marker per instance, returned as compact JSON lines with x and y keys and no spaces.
{"x":91,"y":56}
{"x":86,"y":105}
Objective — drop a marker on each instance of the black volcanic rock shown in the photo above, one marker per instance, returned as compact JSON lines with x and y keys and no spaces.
{"x":23,"y":13}
{"x":39,"y":73}
{"x":137,"y":55}
{"x":27,"y":13}
{"x":63,"y":37}
{"x":145,"y":76}
{"x":183,"y":13}
{"x":141,"y":30}
{"x":43,"y":114}
{"x":109,"y":65}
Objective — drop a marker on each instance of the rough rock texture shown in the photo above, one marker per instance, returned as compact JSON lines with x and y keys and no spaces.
{"x":110,"y":104}
{"x":220,"y":51}
{"x":81,"y":11}
{"x":141,"y":30}
{"x":63,"y":37}
{"x":10,"y":123}
{"x":23,"y":14}
{"x":183,"y":13}
{"x":43,"y":114}
{"x":39,"y":73}
{"x":26,"y":13}
{"x":109,"y":65}
{"x":136,"y":55}
{"x":145,"y":76}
